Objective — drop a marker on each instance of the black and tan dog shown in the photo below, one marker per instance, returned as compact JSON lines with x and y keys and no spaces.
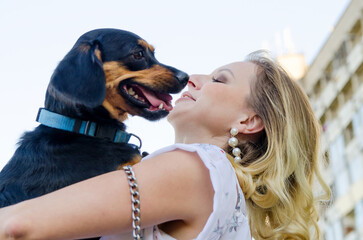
{"x":107,"y":75}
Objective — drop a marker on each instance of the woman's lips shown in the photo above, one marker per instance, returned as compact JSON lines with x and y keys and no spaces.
{"x":188,"y":95}
{"x":185,"y":96}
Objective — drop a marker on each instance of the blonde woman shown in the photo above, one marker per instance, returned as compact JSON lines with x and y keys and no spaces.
{"x":244,"y":164}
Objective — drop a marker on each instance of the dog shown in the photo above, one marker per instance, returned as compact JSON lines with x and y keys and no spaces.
{"x":108,"y":74}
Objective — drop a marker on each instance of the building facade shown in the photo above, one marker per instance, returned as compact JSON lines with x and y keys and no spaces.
{"x":334,"y":84}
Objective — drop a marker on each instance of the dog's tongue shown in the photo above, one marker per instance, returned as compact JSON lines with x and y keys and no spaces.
{"x":156,"y":99}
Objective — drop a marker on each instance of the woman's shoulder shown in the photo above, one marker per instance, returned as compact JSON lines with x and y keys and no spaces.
{"x":184,"y":146}
{"x":210,"y":156}
{"x":179,"y":159}
{"x":181,"y":181}
{"x":196,"y":159}
{"x":206,"y":152}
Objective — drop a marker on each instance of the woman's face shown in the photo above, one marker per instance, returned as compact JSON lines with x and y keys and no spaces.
{"x":217,"y":101}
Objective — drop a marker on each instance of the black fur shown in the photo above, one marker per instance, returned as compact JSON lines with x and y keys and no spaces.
{"x":48,"y":159}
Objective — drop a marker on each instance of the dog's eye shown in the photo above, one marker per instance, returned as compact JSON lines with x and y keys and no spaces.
{"x":138,"y":55}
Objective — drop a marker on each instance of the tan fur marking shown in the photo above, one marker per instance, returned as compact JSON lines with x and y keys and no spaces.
{"x":115,"y":113}
{"x":135,"y":159}
{"x":146,"y":45}
{"x":158,"y":78}
{"x":113,"y":71}
{"x":98,"y":54}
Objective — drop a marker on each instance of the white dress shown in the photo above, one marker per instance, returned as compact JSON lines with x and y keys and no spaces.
{"x":228,"y":219}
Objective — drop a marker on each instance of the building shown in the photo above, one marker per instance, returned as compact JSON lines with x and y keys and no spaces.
{"x":334,"y":83}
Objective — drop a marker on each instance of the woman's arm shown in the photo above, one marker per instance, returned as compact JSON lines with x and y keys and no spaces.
{"x":174,"y":185}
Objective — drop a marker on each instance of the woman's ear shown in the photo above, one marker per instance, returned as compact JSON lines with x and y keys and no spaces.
{"x":251,"y":124}
{"x":79,"y":78}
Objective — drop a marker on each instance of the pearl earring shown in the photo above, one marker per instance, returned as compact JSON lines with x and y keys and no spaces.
{"x":233,"y":142}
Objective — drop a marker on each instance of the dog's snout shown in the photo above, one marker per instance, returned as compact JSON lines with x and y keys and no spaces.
{"x":182,"y":77}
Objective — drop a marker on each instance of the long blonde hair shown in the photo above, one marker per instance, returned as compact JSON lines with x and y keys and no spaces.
{"x":278,"y":172}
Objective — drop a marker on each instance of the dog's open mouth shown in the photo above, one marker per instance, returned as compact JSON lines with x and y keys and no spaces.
{"x":147,"y":99}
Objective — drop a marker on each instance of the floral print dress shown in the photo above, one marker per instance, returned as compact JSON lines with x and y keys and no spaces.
{"x":228,"y":219}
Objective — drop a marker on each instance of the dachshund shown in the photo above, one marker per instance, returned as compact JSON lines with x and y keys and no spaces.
{"x":108,"y":74}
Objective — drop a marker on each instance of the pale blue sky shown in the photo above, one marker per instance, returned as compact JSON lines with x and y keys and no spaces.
{"x":195,"y":36}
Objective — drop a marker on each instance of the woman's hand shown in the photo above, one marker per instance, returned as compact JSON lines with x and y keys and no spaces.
{"x":4,"y":223}
{"x":9,"y":227}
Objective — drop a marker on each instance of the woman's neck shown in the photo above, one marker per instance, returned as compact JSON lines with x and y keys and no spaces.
{"x":200,"y":137}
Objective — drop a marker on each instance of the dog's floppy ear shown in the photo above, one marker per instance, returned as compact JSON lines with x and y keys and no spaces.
{"x":79,"y":78}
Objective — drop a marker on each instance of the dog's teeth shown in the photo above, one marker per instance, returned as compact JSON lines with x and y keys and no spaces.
{"x":136,"y":96}
{"x":131,"y":91}
{"x":161,"y":106}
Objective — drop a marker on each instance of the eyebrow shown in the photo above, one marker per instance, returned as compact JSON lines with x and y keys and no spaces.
{"x":144,"y":44}
{"x":228,"y":70}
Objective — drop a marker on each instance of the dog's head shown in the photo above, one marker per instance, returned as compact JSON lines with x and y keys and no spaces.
{"x":117,"y":70}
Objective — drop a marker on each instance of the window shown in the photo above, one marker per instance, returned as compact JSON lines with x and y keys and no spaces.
{"x":356,"y":169}
{"x":360,"y":127}
{"x":356,"y":33}
{"x":336,"y":154}
{"x":359,"y":74}
{"x":318,"y":88}
{"x":329,"y":233}
{"x":334,"y":108}
{"x":338,"y":166}
{"x":348,"y":133}
{"x":340,"y":56}
{"x":342,"y":183}
{"x":359,"y":216}
{"x":348,"y":90}
{"x":327,"y":75}
{"x":357,"y":124}
{"x":338,"y":230}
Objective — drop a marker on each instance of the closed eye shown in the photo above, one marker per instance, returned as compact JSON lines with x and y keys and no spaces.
{"x":216,"y":80}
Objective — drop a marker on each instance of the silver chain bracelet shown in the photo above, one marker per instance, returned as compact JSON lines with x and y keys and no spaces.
{"x":135,"y":199}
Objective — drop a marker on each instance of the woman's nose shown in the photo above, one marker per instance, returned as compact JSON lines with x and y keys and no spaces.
{"x":195,"y":81}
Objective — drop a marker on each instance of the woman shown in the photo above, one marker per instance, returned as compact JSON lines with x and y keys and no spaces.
{"x":195,"y":189}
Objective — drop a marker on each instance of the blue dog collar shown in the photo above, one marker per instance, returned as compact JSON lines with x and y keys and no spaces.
{"x":88,"y":128}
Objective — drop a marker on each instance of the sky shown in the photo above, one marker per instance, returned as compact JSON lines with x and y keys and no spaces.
{"x":195,"y":36}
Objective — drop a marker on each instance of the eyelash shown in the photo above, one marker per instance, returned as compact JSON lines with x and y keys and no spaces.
{"x":216,"y":80}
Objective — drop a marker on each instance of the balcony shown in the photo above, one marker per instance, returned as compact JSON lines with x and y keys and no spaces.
{"x":328,"y":94}
{"x":358,"y":96}
{"x":347,"y":202}
{"x":318,"y":107}
{"x":356,"y":191}
{"x":352,"y":149}
{"x":333,"y":129}
{"x":346,"y":113}
{"x":341,"y":77}
{"x":355,"y":57}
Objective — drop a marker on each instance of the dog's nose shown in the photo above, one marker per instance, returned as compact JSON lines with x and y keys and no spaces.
{"x":182,"y":77}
